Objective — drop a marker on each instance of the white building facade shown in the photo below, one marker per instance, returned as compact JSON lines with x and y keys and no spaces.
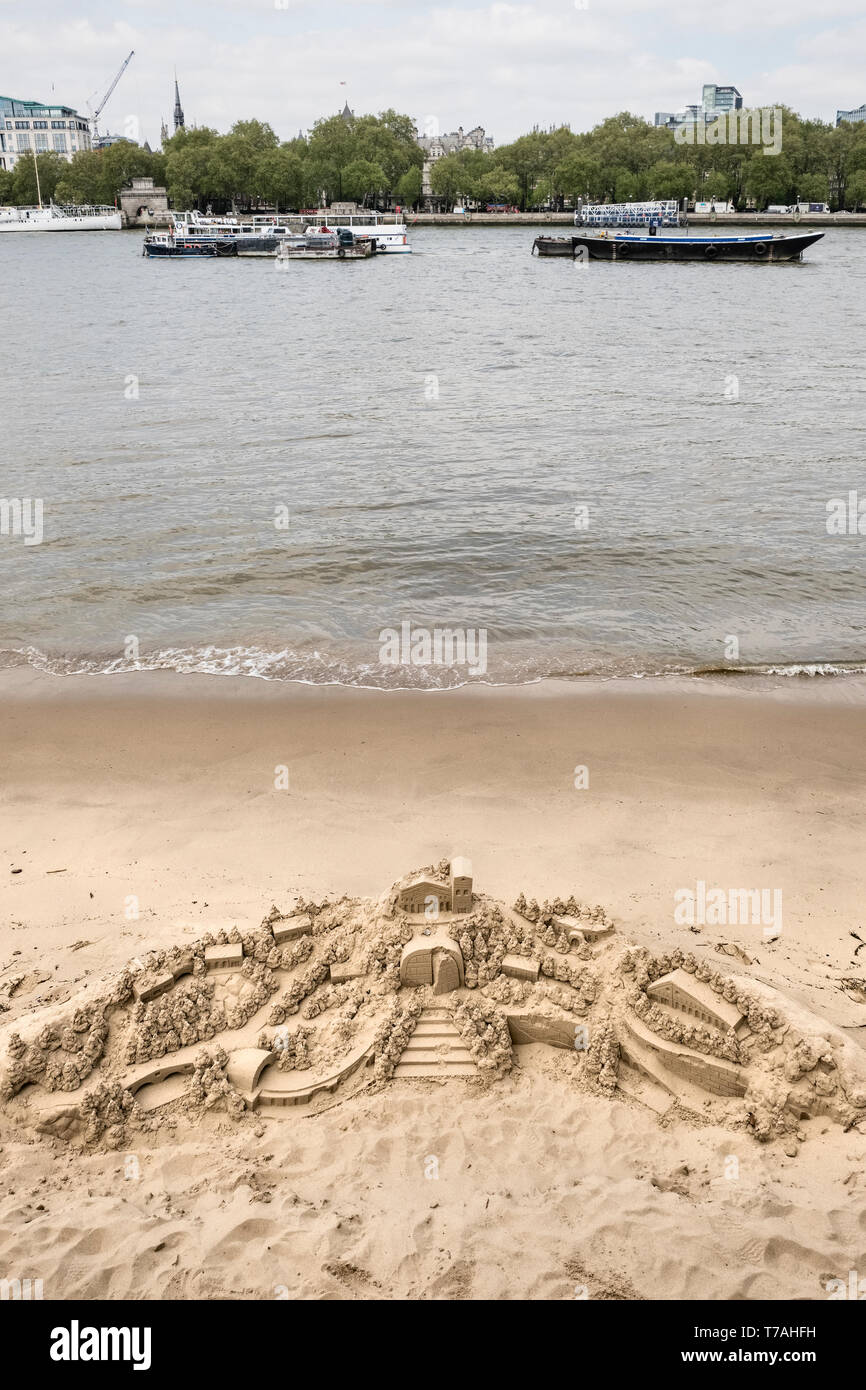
{"x":28,"y":127}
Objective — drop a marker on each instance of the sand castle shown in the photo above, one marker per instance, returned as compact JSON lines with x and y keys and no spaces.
{"x":434,"y":981}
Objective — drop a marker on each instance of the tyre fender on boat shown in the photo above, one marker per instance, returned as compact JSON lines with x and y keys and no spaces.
{"x":711,"y":252}
{"x":341,"y":252}
{"x":761,"y":249}
{"x":622,"y":250}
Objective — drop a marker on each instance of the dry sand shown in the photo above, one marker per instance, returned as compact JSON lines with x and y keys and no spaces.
{"x":161,"y":789}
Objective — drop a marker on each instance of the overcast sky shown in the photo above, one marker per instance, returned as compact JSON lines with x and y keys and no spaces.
{"x":506,"y":66}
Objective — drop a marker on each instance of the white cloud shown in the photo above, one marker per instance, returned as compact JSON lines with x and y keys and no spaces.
{"x":505,"y":65}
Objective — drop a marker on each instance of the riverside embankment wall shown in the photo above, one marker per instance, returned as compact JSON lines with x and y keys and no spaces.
{"x":701,"y":219}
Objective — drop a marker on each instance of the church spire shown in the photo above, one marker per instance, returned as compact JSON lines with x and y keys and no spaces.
{"x":178,"y":109}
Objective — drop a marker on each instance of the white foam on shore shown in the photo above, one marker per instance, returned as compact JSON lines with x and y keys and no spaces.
{"x":316,"y":667}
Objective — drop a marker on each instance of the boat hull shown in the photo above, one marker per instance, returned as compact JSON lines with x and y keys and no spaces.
{"x":358,"y":252}
{"x":553,"y":246}
{"x":165,"y":251}
{"x":110,"y":222}
{"x":257,"y":245}
{"x":757,"y":249}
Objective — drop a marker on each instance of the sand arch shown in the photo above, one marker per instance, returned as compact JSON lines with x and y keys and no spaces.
{"x":245,"y":1067}
{"x":419,"y":962}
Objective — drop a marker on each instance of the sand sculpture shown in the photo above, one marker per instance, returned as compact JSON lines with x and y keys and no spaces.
{"x":333,"y":996}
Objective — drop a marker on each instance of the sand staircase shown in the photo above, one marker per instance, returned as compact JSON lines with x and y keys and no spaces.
{"x":435,"y":1049}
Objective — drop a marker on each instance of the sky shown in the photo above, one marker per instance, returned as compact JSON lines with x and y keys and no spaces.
{"x":505,"y":66}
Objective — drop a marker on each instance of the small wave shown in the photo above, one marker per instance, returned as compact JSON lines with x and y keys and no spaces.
{"x":790,"y":668}
{"x":318,"y":667}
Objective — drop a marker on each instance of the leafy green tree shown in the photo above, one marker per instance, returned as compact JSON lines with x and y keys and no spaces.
{"x":498,"y":185}
{"x":717,"y":185}
{"x":7,"y":181}
{"x":188,"y":155}
{"x":814,"y":188}
{"x":231,"y":168}
{"x":845,"y":154}
{"x":51,"y":169}
{"x":580,"y":176}
{"x":280,"y":178}
{"x":769,"y":180}
{"x":331,"y":148}
{"x":855,"y":192}
{"x":408,"y":190}
{"x":525,"y":157}
{"x":445,"y":178}
{"x":258,"y":135}
{"x":627,"y":187}
{"x":363,"y":179}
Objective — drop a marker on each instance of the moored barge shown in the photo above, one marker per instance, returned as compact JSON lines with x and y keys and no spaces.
{"x":623,"y":246}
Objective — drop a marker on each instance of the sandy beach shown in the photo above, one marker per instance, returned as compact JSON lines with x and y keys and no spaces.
{"x":159,"y":791}
{"x":162,"y":787}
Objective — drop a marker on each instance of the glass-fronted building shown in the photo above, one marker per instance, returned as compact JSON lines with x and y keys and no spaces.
{"x":30,"y":125}
{"x":715,"y":98}
{"x":716,"y":101}
{"x":858,"y":114}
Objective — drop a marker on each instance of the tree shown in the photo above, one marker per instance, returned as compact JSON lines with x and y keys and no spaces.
{"x":855,"y":193}
{"x":51,"y":169}
{"x":331,"y":148}
{"x":667,"y":180}
{"x":627,"y":187}
{"x":579,"y":176}
{"x":445,"y":177}
{"x":188,"y":156}
{"x":408,"y":190}
{"x":258,"y":135}
{"x":231,"y":168}
{"x":498,"y":185}
{"x":7,"y":179}
{"x":525,"y":157}
{"x":717,"y":185}
{"x":363,"y":179}
{"x":815,"y":188}
{"x":279,"y":178}
{"x":769,"y":180}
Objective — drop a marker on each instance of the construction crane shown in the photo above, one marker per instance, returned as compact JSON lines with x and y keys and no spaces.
{"x":94,"y":132}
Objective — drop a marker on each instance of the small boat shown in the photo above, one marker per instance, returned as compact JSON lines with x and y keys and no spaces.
{"x":553,"y":246}
{"x":327,"y":244}
{"x":254,"y":236}
{"x":165,"y":245}
{"x":623,"y":246}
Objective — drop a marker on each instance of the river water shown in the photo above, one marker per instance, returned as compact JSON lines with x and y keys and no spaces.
{"x":616,"y":469}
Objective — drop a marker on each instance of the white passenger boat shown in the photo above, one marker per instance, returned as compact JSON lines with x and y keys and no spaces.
{"x":253,"y":236}
{"x":60,"y":219}
{"x":262,"y":234}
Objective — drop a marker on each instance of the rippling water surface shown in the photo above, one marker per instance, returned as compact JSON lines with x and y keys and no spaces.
{"x":431,"y":423}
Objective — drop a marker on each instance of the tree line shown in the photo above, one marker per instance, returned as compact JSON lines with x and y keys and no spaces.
{"x":376,"y":160}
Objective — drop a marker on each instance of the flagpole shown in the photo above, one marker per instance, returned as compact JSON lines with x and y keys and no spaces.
{"x":36,"y":167}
